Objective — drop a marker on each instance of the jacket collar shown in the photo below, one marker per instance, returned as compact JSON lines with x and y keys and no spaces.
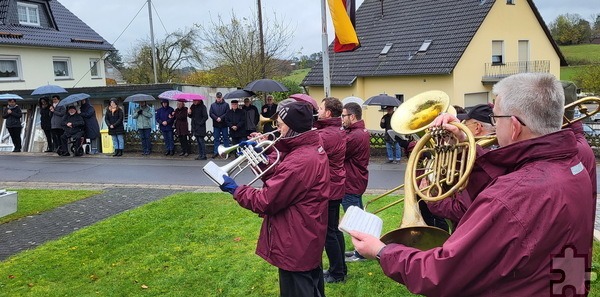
{"x":358,"y":125}
{"x":337,"y":122}
{"x":577,"y":128}
{"x":557,"y":145}
{"x":309,"y":138}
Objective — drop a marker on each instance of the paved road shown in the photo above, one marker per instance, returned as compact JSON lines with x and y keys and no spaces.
{"x":135,"y":170}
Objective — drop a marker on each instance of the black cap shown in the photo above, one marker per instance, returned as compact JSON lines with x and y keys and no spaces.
{"x":480,"y":112}
{"x":298,"y":116}
{"x":234,"y":101}
{"x":72,"y":107}
{"x":219,"y":95}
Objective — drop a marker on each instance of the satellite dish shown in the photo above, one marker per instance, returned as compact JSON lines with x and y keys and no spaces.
{"x":354,"y":99}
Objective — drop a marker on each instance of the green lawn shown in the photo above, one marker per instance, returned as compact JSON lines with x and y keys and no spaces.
{"x":34,"y":201}
{"x":188,"y":244}
{"x":582,"y":54}
{"x":297,"y":75}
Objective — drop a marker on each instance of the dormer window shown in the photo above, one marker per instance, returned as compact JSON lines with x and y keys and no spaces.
{"x":28,"y":14}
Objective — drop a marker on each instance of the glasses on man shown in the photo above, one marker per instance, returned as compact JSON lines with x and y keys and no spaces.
{"x":346,"y":115}
{"x":493,"y":118}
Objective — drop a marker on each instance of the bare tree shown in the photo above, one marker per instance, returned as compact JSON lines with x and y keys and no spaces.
{"x":177,"y":50}
{"x":234,"y":47}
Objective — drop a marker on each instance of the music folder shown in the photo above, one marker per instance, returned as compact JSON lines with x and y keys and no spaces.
{"x":214,"y":172}
{"x":357,"y":219}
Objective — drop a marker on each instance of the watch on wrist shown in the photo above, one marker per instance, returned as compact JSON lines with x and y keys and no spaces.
{"x":378,"y":256}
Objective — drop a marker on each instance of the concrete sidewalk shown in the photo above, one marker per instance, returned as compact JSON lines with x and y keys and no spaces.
{"x":29,"y":232}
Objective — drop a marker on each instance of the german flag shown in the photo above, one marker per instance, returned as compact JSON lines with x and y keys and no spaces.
{"x":343,"y":17}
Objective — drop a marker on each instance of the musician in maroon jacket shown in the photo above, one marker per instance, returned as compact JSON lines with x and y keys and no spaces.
{"x":329,"y":126}
{"x":528,"y":226}
{"x":293,"y":204}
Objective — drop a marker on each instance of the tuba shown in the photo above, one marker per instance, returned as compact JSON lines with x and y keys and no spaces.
{"x":439,"y":160}
{"x":263,"y":121}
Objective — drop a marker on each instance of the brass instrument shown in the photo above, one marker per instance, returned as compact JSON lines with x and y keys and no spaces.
{"x":581,"y":104}
{"x":262,"y":121}
{"x":248,"y":156}
{"x":403,"y":115}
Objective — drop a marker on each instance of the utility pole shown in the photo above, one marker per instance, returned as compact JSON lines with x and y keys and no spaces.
{"x":325,"y":48}
{"x":152,"y":41}
{"x":263,"y":69}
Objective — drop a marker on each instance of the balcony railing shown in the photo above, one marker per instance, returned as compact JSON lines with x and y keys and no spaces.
{"x":495,"y":72}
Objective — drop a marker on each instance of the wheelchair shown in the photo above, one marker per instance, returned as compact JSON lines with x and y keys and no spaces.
{"x":78,"y":145}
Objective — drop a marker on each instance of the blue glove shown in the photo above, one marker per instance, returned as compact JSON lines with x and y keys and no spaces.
{"x":228,"y":185}
{"x":247,"y":143}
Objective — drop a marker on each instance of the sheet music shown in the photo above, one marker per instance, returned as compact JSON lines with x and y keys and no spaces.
{"x":357,"y":219}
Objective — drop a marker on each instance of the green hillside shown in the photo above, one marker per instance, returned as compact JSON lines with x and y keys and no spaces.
{"x":577,"y":57}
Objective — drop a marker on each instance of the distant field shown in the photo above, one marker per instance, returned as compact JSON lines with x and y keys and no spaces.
{"x":297,"y":75}
{"x":583,"y":54}
{"x":578,"y":56}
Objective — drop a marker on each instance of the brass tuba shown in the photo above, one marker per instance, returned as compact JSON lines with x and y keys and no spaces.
{"x":439,"y":158}
{"x":263,"y":121}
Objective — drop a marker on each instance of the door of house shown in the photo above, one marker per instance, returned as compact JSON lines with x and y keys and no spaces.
{"x":523,"y":56}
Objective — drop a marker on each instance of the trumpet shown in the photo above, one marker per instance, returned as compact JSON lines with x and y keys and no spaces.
{"x":248,"y":156}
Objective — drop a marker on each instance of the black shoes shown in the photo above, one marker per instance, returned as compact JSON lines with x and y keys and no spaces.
{"x":330,"y":279}
{"x":167,"y":153}
{"x":349,"y":253}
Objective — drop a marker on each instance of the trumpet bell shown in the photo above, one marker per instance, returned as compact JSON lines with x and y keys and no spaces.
{"x":418,"y":112}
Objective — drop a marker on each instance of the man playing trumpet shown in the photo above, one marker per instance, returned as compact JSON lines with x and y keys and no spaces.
{"x":523,"y":225}
{"x":293,"y":204}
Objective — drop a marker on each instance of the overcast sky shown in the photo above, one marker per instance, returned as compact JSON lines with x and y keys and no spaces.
{"x":110,"y":18}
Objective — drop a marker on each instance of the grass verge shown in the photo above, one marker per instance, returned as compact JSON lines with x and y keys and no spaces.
{"x":34,"y":201}
{"x":188,"y":244}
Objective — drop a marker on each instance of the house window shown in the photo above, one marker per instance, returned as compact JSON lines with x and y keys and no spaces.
{"x":425,"y":46}
{"x":94,"y":68}
{"x":62,"y":67}
{"x":10,"y":68}
{"x":386,"y":49}
{"x":497,"y":52}
{"x":400,"y":98}
{"x":28,"y":14}
{"x":511,"y":2}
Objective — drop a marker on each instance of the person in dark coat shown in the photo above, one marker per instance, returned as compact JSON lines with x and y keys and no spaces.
{"x":236,"y":121}
{"x":252,"y":116}
{"x":164,"y":118}
{"x":73,"y":126}
{"x":293,"y":204}
{"x":45,"y":122}
{"x":333,"y":135}
{"x":57,"y":112}
{"x":182,"y":128}
{"x":114,"y":120}
{"x":391,"y":145}
{"x":12,"y":116}
{"x":92,"y":129}
{"x":199,"y":116}
{"x":523,"y":225}
{"x":268,"y":110}
{"x":217,"y":113}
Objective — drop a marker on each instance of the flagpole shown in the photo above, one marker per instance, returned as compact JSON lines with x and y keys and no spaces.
{"x":325,"y":50}
{"x":152,"y":41}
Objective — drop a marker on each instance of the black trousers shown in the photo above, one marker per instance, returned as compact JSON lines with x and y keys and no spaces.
{"x":15,"y":136}
{"x":48,"y":134}
{"x":56,"y":134}
{"x":185,"y":144}
{"x":301,"y":284}
{"x":334,"y":242}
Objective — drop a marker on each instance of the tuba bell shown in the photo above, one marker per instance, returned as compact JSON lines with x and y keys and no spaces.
{"x":439,"y":160}
{"x":263,"y":121}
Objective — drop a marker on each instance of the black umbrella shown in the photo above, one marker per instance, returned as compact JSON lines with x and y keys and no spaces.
{"x":139,"y":98}
{"x":382,"y":100}
{"x":72,"y":99}
{"x":238,"y":94}
{"x":265,"y":85}
{"x":48,"y":90}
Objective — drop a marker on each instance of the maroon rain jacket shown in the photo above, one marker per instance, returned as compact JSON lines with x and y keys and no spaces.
{"x":505,"y":244}
{"x":358,"y":150}
{"x":293,"y":203}
{"x":334,"y":143}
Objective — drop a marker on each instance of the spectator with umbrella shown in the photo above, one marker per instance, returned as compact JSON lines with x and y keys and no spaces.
{"x":268,"y":110}
{"x":58,"y":112}
{"x":182,"y":129}
{"x":143,"y":115}
{"x":92,"y":129}
{"x":197,"y":112}
{"x":45,"y":122}
{"x":218,"y":111}
{"x":392,"y":146}
{"x":114,"y":120}
{"x":73,"y":126}
{"x":252,"y":116}
{"x":12,"y":116}
{"x":164,"y":118}
{"x":236,"y":121}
